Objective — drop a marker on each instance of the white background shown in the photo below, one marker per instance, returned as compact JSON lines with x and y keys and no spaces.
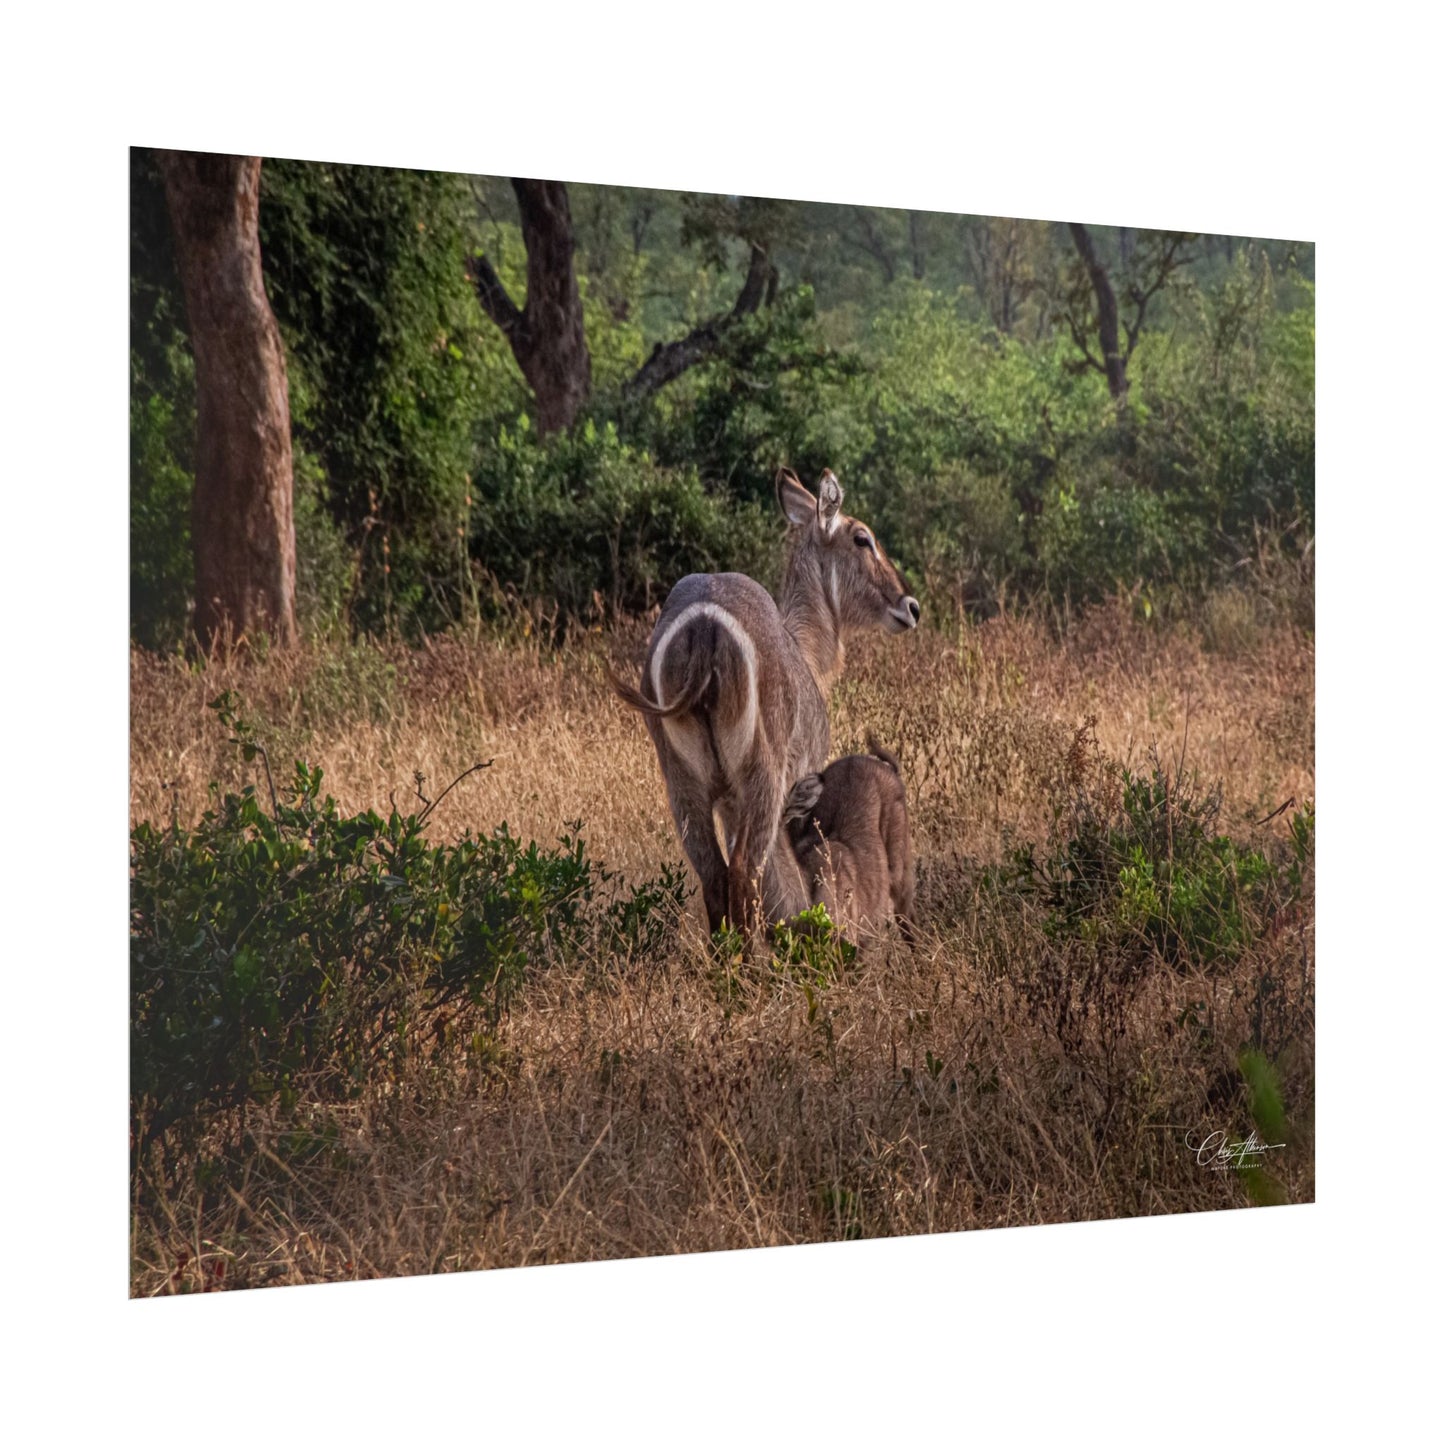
{"x":1226,"y":119}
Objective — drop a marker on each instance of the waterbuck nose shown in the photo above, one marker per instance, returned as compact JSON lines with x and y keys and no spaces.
{"x":911,"y":603}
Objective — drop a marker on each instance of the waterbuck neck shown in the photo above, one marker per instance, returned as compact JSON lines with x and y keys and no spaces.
{"x":811,"y":617}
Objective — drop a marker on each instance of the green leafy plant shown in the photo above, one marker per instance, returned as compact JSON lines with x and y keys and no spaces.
{"x":1140,"y":862}
{"x":811,"y":948}
{"x":596,"y":527}
{"x":1266,"y":1108}
{"x":300,"y":948}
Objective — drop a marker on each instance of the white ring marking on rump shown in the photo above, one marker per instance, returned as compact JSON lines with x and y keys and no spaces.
{"x":735,"y":742}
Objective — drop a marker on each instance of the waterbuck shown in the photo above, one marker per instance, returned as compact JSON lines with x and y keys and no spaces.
{"x":733,"y":694}
{"x":848,"y":827}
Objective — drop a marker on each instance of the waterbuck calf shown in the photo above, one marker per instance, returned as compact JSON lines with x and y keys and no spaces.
{"x":733,"y":694}
{"x":848,"y":827}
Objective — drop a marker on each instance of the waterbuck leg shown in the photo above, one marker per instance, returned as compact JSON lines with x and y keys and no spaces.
{"x":700,"y":845}
{"x":692,"y":813}
{"x":750,"y":864}
{"x":687,"y":797}
{"x":744,"y":875}
{"x":785,"y":890}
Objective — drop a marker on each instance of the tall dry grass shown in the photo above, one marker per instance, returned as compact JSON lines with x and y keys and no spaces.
{"x":631,"y":1108}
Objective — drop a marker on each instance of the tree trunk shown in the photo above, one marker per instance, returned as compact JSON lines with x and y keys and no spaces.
{"x":1108,"y":312}
{"x":1006,"y":280}
{"x":241,"y":523}
{"x":872,"y":244}
{"x":546,"y":334}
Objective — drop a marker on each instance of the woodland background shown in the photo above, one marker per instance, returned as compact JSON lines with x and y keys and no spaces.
{"x":508,"y":395}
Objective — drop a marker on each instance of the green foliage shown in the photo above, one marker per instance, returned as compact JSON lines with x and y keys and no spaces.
{"x":299,"y":948}
{"x":591,"y":524}
{"x":162,"y":428}
{"x":1138,"y":866}
{"x":364,"y":268}
{"x":920,"y":357}
{"x":811,"y":949}
{"x":1266,"y":1101}
{"x":948,"y":391}
{"x":715,"y":224}
{"x":1230,"y":414}
{"x":808,"y":952}
{"x":1266,"y":1109}
{"x":1098,"y":539}
{"x":162,"y":422}
{"x":645,"y":921}
{"x":772,"y":394}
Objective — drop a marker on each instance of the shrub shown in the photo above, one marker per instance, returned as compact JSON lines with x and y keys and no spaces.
{"x":1229,"y":411}
{"x":302,"y":950}
{"x":811,"y":948}
{"x":945,"y":392}
{"x":1102,"y":537}
{"x":773,"y":394}
{"x":594,"y":525}
{"x":1137,"y":864}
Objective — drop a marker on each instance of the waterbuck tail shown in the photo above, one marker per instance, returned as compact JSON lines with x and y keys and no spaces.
{"x":695,"y":683}
{"x":883,"y":755}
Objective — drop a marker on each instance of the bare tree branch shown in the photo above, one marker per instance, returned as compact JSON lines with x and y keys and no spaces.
{"x":669,"y":360}
{"x":1169,"y":262}
{"x":493,"y":295}
{"x":1152,"y":276}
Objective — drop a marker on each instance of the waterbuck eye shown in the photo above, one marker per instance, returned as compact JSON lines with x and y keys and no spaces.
{"x":862,"y":539}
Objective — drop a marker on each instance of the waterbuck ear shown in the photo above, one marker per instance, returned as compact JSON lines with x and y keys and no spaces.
{"x":798,"y":503}
{"x":830,"y":499}
{"x":803,"y":798}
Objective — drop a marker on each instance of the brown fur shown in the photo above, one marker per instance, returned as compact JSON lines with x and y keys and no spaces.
{"x":733,"y":694}
{"x":848,"y":827}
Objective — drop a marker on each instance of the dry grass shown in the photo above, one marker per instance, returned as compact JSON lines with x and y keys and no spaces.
{"x":632,"y":1109}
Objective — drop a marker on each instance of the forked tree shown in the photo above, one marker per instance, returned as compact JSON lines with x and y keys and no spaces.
{"x":1149,"y":267}
{"x":545,"y":332}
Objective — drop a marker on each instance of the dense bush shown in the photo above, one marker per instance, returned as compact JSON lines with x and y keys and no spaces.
{"x":397,"y":365}
{"x":774,"y":394}
{"x":297,"y":949}
{"x":590,"y":524}
{"x":1093,"y":539}
{"x":1138,"y":869}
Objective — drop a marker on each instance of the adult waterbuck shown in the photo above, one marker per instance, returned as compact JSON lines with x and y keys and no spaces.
{"x":848,"y":827}
{"x":734,"y":690}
